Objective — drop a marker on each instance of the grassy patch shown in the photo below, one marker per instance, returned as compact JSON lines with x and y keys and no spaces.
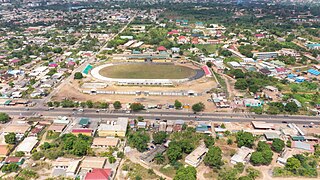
{"x":211,"y":48}
{"x":147,"y":71}
{"x":136,"y":170}
{"x":168,"y":170}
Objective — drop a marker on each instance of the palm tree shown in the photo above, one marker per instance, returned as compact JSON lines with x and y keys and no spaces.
{"x":159,"y":158}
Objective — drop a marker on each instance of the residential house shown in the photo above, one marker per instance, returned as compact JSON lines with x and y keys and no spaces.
{"x":114,"y":128}
{"x":196,"y":156}
{"x":65,"y":167}
{"x":27,"y":145}
{"x":99,"y":173}
{"x":105,"y":142}
{"x":242,"y":156}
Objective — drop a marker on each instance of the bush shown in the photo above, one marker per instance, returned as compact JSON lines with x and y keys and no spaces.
{"x":7,"y":168}
{"x":198,"y":107}
{"x":19,"y":154}
{"x":4,"y":117}
{"x":10,"y":138}
{"x":78,"y":75}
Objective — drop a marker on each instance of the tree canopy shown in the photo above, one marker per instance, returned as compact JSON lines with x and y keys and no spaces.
{"x":186,"y":173}
{"x":198,"y":107}
{"x":4,"y":117}
{"x":277,"y":145}
{"x":214,"y":157}
{"x":245,"y":139}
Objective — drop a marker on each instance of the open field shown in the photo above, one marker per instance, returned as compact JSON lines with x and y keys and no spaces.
{"x":147,"y":71}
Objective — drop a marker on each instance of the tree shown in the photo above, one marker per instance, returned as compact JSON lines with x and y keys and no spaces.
{"x":10,"y":138}
{"x":277,"y":145}
{"x":245,"y":139}
{"x":177,"y":104}
{"x":120,"y":154}
{"x":293,"y":164}
{"x":225,"y":53}
{"x":159,"y":137}
{"x":50,"y":104}
{"x":19,"y":154}
{"x":78,"y":75}
{"x":37,"y":155}
{"x":214,"y":157}
{"x":117,"y":105}
{"x":136,"y":107}
{"x":186,"y":173}
{"x":13,"y":167}
{"x":112,"y":159}
{"x":139,"y":140}
{"x":241,"y":84}
{"x":229,"y":141}
{"x":89,"y":104}
{"x":291,"y":107}
{"x":4,"y":117}
{"x":159,"y":158}
{"x":209,"y":64}
{"x":208,"y":141}
{"x":263,"y":155}
{"x":174,"y":152}
{"x":80,"y":148}
{"x":239,"y":167}
{"x":198,"y":107}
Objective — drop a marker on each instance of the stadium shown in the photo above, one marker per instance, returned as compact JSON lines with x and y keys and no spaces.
{"x":146,"y":74}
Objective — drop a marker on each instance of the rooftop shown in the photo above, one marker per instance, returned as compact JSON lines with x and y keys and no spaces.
{"x":119,"y":125}
{"x":110,"y":141}
{"x":27,"y":144}
{"x":93,"y":162}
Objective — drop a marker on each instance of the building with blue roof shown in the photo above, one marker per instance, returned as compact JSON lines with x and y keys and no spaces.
{"x":313,"y":46}
{"x":314,"y":72}
{"x":292,"y":76}
{"x":299,"y":79}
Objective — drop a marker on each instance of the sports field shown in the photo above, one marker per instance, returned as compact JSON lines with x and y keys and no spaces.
{"x":147,"y":71}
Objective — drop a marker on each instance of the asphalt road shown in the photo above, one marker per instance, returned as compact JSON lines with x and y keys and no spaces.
{"x":160,"y":114}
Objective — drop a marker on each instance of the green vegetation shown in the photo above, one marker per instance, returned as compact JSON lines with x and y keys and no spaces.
{"x":198,"y":107}
{"x":298,"y":165}
{"x":136,"y":107}
{"x":234,"y":173}
{"x":245,"y":139}
{"x":253,"y":81}
{"x":147,"y":71}
{"x":117,"y":105}
{"x":159,"y":137}
{"x":263,"y":155}
{"x":27,"y":174}
{"x":10,"y":138}
{"x":138,"y":140}
{"x":78,"y":75}
{"x":64,"y":145}
{"x":136,"y":170}
{"x":8,"y":168}
{"x":186,"y":173}
{"x":277,"y":145}
{"x":4,"y":117}
{"x":177,"y":104}
{"x":182,"y":142}
{"x":208,"y":141}
{"x":19,"y":154}
{"x":214,"y":157}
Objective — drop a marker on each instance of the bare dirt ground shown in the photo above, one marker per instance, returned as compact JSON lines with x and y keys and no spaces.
{"x":71,"y":91}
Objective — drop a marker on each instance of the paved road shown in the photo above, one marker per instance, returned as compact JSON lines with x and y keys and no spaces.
{"x":157,"y":114}
{"x":43,"y":101}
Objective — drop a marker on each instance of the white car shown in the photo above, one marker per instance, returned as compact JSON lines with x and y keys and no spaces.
{"x":80,"y":110}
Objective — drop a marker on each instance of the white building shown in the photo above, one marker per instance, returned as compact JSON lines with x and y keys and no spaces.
{"x":197,"y":156}
{"x":242,"y":155}
{"x":27,"y":145}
